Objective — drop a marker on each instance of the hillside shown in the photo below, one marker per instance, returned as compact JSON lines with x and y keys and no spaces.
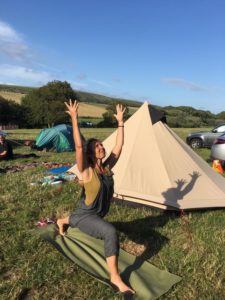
{"x":94,"y":105}
{"x":13,"y":92}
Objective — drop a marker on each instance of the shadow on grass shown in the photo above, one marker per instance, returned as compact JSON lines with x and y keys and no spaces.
{"x":143,"y":231}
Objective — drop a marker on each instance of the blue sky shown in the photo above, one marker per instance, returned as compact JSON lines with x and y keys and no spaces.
{"x":168,"y":52}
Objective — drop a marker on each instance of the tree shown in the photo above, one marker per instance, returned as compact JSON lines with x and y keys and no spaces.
{"x":10,"y":112}
{"x":45,"y":105}
{"x":221,"y":115}
{"x":109,"y":119}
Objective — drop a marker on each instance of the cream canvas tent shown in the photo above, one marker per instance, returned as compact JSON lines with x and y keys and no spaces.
{"x":158,"y":169}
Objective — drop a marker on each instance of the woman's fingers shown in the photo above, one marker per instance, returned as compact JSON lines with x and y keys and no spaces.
{"x":72,"y":105}
{"x":120,"y":108}
{"x":67,"y":105}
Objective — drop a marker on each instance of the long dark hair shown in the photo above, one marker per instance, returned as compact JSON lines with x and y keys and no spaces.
{"x":89,"y":150}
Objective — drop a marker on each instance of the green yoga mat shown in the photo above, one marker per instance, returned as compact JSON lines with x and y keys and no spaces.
{"x":87,"y":252}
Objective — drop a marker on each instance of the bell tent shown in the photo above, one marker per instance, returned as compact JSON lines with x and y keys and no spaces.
{"x":59,"y":138}
{"x":156,"y":168}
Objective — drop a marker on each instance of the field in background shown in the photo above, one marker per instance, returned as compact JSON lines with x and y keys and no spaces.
{"x":191,"y":246}
{"x":12,"y":96}
{"x":93,"y":110}
{"x":86,"y":110}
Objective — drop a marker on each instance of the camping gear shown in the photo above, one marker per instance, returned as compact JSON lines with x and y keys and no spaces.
{"x":59,"y":170}
{"x":58,"y":138}
{"x":88,"y":253}
{"x":48,"y":180}
{"x":156,"y":168}
{"x":217,"y":166}
{"x":25,"y":166}
{"x":44,"y":221}
{"x":54,"y":179}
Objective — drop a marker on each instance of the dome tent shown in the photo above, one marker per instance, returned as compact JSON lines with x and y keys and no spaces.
{"x":59,"y":138}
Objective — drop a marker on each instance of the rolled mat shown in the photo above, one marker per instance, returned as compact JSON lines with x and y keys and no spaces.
{"x":88,"y":253}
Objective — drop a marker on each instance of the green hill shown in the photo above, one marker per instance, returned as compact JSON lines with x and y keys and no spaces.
{"x":180,"y":116}
{"x":83,"y":96}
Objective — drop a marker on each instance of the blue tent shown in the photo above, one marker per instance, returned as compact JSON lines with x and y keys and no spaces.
{"x":59,"y":138}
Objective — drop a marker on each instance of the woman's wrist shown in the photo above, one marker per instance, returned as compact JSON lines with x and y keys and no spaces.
{"x":120,"y":123}
{"x":74,"y":118}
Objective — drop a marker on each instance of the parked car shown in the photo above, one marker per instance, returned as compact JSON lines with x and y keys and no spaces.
{"x":204,"y":138}
{"x":218,"y":149}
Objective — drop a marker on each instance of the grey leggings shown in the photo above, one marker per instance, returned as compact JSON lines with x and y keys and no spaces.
{"x":99,"y":228}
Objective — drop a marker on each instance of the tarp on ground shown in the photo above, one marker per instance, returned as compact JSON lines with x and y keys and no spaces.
{"x":148,"y":281}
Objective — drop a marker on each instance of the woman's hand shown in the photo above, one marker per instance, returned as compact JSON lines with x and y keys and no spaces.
{"x":72,"y":108}
{"x":119,"y":113}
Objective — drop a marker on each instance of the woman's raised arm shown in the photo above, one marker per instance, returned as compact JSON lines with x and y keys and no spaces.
{"x":73,"y":112}
{"x":115,"y":154}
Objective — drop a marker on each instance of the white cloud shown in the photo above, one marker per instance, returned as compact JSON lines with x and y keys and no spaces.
{"x":7,"y":33}
{"x":9,"y":72}
{"x":184,"y":84}
{"x":17,"y":52}
{"x":12,"y":43}
{"x":8,"y":83}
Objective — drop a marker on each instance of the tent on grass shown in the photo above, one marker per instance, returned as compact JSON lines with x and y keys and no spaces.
{"x":59,"y":138}
{"x":158,"y":169}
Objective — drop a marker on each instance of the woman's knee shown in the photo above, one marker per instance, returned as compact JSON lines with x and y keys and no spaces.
{"x":110,"y":231}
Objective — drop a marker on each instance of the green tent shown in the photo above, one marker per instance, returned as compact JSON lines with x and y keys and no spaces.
{"x":58,"y":138}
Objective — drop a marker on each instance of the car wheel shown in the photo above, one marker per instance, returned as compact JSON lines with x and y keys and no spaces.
{"x":196,"y":143}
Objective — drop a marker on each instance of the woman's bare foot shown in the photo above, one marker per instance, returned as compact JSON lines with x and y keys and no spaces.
{"x":119,"y":285}
{"x":61,"y":223}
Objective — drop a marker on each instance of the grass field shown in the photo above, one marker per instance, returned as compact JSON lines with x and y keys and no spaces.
{"x":12,"y":96}
{"x":191,"y":246}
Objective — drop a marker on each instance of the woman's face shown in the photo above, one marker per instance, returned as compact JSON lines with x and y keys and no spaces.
{"x":98,"y":150}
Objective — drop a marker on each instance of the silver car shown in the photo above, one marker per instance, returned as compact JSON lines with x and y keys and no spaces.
{"x":218,"y":149}
{"x":205,"y":138}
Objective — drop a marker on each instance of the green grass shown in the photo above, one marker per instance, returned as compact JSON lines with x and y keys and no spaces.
{"x":191,"y":246}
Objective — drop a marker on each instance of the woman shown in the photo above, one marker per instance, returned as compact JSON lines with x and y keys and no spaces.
{"x":97,"y":193}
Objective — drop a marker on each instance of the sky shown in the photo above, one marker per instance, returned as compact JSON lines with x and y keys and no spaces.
{"x":168,"y":52}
